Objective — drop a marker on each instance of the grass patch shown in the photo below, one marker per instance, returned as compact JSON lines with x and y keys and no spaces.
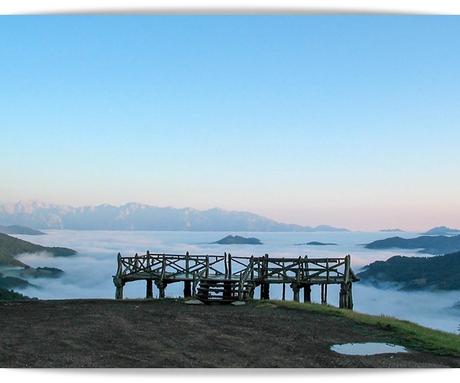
{"x":404,"y":332}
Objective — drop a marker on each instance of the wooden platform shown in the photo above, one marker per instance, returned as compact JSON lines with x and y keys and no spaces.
{"x":235,"y":278}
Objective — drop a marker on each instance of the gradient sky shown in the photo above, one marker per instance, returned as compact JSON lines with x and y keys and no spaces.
{"x":349,"y":121}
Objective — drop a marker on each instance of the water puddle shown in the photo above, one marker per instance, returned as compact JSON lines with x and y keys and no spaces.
{"x":369,"y":348}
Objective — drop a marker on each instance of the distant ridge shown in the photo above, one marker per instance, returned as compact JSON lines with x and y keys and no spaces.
{"x":135,"y":216}
{"x":442,"y":230}
{"x":427,"y":244}
{"x":15,"y":229}
{"x":391,"y":231}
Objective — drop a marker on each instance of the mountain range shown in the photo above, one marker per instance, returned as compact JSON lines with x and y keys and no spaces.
{"x":135,"y":216}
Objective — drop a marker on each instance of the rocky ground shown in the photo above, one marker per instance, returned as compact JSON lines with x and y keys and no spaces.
{"x":107,"y":333}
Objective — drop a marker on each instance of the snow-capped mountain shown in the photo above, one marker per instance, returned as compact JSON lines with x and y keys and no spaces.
{"x":135,"y":216}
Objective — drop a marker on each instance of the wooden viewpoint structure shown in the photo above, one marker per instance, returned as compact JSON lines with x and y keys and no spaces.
{"x":223,"y":278}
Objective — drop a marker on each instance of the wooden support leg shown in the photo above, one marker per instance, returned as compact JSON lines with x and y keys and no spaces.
{"x":307,"y":293}
{"x":161,"y":288}
{"x":118,"y":282}
{"x":149,"y":289}
{"x":227,"y":290}
{"x":346,"y":296}
{"x":187,"y":289}
{"x":284,"y":291}
{"x":350,"y":296}
{"x":119,"y":292}
{"x":323,"y":296}
{"x":264,"y":291}
{"x":251,"y":292}
{"x":343,"y":296}
{"x":295,"y":290}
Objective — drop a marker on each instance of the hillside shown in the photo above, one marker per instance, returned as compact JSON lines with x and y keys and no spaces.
{"x":10,"y":247}
{"x":413,"y":273}
{"x":135,"y":216}
{"x":427,"y":244}
{"x":108,"y":333}
{"x":9,"y":295}
{"x":15,"y":229}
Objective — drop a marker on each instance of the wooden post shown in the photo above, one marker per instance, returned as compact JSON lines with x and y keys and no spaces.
{"x":267,"y":291}
{"x":225,"y":265}
{"x":343,"y":296}
{"x":163,"y":267}
{"x":119,"y":292}
{"x":295,"y":290}
{"x":227,"y":290}
{"x":327,"y":281}
{"x":187,"y":289}
{"x":161,"y":288}
{"x":284,"y":291}
{"x":149,"y":289}
{"x":322,"y":294}
{"x":117,"y":281}
{"x":350,"y":297}
{"x":187,"y":266}
{"x":346,"y":295}
{"x":307,"y":293}
{"x":265,"y":286}
{"x":229,"y":266}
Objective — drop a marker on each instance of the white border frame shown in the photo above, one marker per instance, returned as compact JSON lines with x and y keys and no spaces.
{"x":420,"y":7}
{"x":439,"y":7}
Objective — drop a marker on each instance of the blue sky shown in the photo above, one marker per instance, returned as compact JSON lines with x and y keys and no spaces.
{"x":352,"y":121}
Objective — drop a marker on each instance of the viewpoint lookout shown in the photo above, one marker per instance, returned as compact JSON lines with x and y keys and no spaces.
{"x":223,"y":278}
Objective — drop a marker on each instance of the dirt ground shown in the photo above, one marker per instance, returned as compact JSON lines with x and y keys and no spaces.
{"x":107,"y":333}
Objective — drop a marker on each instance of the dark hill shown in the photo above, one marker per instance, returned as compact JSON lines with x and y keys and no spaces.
{"x":428,"y":244}
{"x":238,"y":240}
{"x":411,"y":273}
{"x":10,"y":295}
{"x":10,"y":247}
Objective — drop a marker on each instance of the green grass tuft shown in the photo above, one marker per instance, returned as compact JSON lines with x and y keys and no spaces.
{"x":404,"y":332}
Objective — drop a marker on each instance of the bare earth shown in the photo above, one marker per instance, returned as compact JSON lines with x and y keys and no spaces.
{"x":107,"y":333}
